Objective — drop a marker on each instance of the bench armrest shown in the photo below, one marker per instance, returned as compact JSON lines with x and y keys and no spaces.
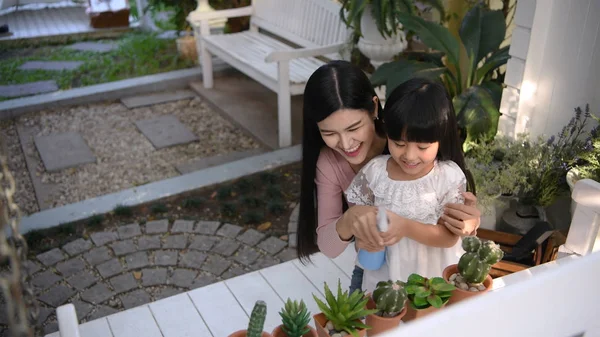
{"x":195,"y":17}
{"x":286,"y":55}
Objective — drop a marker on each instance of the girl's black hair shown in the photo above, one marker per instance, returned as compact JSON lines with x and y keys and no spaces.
{"x":334,"y":86}
{"x":421,"y":110}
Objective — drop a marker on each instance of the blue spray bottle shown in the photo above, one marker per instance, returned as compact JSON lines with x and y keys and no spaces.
{"x":374,"y":260}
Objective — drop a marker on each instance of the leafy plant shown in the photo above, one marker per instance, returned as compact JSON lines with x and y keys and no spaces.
{"x":252,"y":201}
{"x":345,"y":311}
{"x":124,"y":211}
{"x":191,"y":203}
{"x":588,"y":165}
{"x":268,"y":177}
{"x":224,"y":192}
{"x":425,"y":292}
{"x":273,"y":191}
{"x":180,"y":8}
{"x":474,"y":265}
{"x":96,"y":220}
{"x":390,"y":298}
{"x":228,"y":209}
{"x":244,"y":185}
{"x":295,"y":318}
{"x":159,"y":208}
{"x":276,"y":207}
{"x":253,"y":217}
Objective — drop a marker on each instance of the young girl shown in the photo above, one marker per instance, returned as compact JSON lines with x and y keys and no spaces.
{"x":424,"y":171}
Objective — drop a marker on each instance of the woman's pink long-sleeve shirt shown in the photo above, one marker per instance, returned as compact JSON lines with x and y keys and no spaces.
{"x":333,"y":176}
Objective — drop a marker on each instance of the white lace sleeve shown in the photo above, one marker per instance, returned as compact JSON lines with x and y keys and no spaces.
{"x":359,"y":192}
{"x":451,"y":185}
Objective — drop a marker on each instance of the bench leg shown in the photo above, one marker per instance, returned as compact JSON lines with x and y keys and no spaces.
{"x":284,"y":109}
{"x":205,"y":57}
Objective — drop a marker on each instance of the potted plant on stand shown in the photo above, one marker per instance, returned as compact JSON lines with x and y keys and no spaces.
{"x":294,"y":318}
{"x":389,"y":298}
{"x":471,"y":274}
{"x":256,"y":324}
{"x":342,"y":313}
{"x":426,"y":295}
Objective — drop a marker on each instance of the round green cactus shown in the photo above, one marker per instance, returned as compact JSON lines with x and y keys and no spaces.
{"x":476,"y":263}
{"x":257,"y":319}
{"x":390,"y":297}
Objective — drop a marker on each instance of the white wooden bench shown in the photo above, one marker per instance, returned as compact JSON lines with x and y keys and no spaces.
{"x":313,"y":25}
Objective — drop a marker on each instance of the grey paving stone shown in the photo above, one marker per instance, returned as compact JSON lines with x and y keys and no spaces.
{"x":123,"y":247}
{"x":203,"y":280}
{"x":33,"y":88}
{"x":97,"y":294}
{"x":137,"y":260}
{"x":30,"y":267}
{"x":216,"y":265}
{"x":123,"y":283}
{"x":272,"y":245}
{"x":51,"y":328}
{"x":83,"y":280}
{"x":264,"y":261}
{"x":97,"y":255}
{"x":135,"y":299}
{"x":287,"y":254}
{"x":129,"y":231}
{"x":251,"y":237}
{"x":57,"y":295}
{"x":182,"y":226}
{"x":44,"y":313}
{"x":156,"y":98}
{"x":98,"y":47}
{"x":203,"y":243}
{"x":147,"y":242}
{"x":175,"y":242}
{"x":110,"y":268}
{"x":82,"y":308}
{"x":51,"y":257}
{"x":165,"y":257}
{"x":292,"y":240}
{"x":192,"y":259}
{"x":246,"y":255}
{"x":51,"y":65}
{"x":64,"y":150}
{"x":77,"y":247}
{"x":157,"y":226}
{"x":226,"y":247}
{"x":183,"y":277}
{"x":102,"y":311}
{"x":102,"y":238}
{"x":154,"y":277}
{"x":165,"y":131}
{"x":167,"y":292}
{"x":229,"y":230}
{"x":206,"y":162}
{"x":71,"y":267}
{"x":207,"y":227}
{"x":293,"y":224}
{"x":45,"y":279}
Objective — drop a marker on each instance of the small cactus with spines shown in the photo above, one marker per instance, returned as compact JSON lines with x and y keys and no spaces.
{"x":257,"y":319}
{"x":390,"y":298}
{"x":474,"y":265}
{"x":295,"y":318}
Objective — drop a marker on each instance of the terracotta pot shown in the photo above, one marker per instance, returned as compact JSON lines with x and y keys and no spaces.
{"x":278,"y":332}
{"x":412,"y":313}
{"x":459,"y":294}
{"x":380,"y":324}
{"x":242,"y":333}
{"x":321,"y":320}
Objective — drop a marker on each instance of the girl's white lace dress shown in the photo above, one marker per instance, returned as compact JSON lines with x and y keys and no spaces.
{"x":421,"y":200}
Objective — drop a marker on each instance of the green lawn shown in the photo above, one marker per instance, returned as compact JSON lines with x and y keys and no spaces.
{"x":138,"y":54}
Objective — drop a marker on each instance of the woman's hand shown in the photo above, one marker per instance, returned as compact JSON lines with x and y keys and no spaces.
{"x":361,"y":222}
{"x":462,"y":220}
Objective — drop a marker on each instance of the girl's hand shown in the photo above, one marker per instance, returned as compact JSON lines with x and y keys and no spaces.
{"x":462,"y":220}
{"x":396,"y":229}
{"x":361,"y":222}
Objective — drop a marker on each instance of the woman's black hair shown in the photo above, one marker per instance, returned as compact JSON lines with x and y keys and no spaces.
{"x":334,"y":86}
{"x":421,"y":110}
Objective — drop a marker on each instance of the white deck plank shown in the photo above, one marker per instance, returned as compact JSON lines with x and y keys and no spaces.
{"x":177,"y":317}
{"x":323,"y":270}
{"x":96,"y":328}
{"x":251,"y":287}
{"x":220,"y":310}
{"x":346,"y":261}
{"x":134,"y":322}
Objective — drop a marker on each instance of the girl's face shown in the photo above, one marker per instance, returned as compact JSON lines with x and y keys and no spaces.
{"x":414,"y":160}
{"x":349,"y":132}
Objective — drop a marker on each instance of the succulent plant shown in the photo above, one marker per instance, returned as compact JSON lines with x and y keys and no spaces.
{"x":390,"y":298}
{"x":257,"y":319}
{"x":474,"y":265}
{"x":425,"y":292}
{"x":295,"y":317}
{"x":345,"y":311}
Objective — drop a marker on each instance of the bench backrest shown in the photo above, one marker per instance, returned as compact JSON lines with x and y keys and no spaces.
{"x":308,"y":23}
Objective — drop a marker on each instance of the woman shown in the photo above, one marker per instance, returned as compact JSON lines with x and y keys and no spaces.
{"x":342,"y":132}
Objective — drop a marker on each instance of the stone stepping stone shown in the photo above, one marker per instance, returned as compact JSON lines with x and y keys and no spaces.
{"x":207,"y":162}
{"x":165,"y":131}
{"x":98,"y":47}
{"x":65,"y":150}
{"x":51,"y":65}
{"x":33,"y":88}
{"x":156,"y":98}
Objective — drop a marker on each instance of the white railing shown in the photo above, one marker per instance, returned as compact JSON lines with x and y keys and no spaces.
{"x":583,"y":232}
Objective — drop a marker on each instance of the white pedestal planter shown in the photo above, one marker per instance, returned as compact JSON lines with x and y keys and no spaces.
{"x":377,"y":48}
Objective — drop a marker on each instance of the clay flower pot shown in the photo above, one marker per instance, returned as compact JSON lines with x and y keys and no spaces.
{"x":321,"y":320}
{"x":242,"y":333}
{"x":278,"y":332}
{"x":459,"y":294}
{"x":380,"y":324}
{"x":412,"y":313}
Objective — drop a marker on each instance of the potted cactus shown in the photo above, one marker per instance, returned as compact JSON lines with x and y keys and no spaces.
{"x":426,"y":295}
{"x":342,"y":314}
{"x":389,"y":298}
{"x":256,"y":324}
{"x":471,"y":274}
{"x":294,"y":318}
